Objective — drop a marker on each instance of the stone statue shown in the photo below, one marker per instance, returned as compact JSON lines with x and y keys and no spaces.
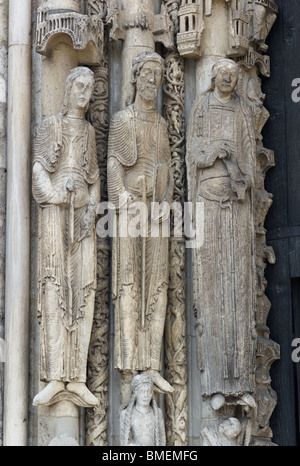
{"x":141,"y":421}
{"x":264,"y":16}
{"x":229,"y":433}
{"x":220,"y":171}
{"x":139,"y":172}
{"x":66,"y":185}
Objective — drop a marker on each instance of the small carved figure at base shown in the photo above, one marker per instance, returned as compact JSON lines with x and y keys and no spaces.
{"x":228,"y":433}
{"x":141,"y":421}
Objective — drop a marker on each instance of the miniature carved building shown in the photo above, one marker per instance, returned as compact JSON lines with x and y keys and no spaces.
{"x":85,"y":32}
{"x":239,"y":22}
{"x":191,"y":20}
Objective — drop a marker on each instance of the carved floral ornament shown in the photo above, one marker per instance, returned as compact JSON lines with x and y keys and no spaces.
{"x":143,"y":157}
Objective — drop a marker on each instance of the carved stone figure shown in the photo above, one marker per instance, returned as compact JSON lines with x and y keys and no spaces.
{"x":228,"y":433}
{"x":264,"y":16}
{"x":139,"y":171}
{"x":141,"y":421}
{"x":266,"y":398}
{"x":67,"y":188}
{"x":220,"y":170}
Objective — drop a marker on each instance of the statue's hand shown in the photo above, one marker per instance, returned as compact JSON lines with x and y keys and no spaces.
{"x":223,"y":154}
{"x":61,"y":197}
{"x":207,"y":159}
{"x":70,"y":185}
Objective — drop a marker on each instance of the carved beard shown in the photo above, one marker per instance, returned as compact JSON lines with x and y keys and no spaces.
{"x":147,"y":91}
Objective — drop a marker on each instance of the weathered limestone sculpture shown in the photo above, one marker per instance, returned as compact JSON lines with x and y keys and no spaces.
{"x":141,"y":421}
{"x":220,"y":170}
{"x":227,"y":433}
{"x":140,"y":28}
{"x":139,"y":171}
{"x":67,"y":188}
{"x":264,"y":16}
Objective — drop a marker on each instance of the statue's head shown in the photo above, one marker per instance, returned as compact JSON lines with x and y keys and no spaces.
{"x":231,"y":428}
{"x":146,"y":76}
{"x":79,"y":88}
{"x":142,"y":388}
{"x":225,"y":73}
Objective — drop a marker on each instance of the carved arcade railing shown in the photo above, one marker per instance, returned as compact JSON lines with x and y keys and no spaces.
{"x":82,"y":29}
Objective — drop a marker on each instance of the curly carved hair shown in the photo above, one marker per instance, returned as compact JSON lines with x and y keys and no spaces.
{"x":137,"y":64}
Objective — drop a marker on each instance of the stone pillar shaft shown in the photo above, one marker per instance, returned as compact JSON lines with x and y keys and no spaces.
{"x":18,"y":225}
{"x":3,"y":147}
{"x":137,"y":39}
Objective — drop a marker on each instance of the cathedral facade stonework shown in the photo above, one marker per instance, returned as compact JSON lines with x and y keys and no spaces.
{"x":133,"y":248}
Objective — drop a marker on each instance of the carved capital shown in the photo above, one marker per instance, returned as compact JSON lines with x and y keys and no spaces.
{"x":144,"y":19}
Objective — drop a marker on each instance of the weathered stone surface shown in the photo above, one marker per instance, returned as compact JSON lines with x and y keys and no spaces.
{"x":231,"y":397}
{"x":66,"y":187}
{"x":221,"y":168}
{"x":141,"y":420}
{"x":140,"y":173}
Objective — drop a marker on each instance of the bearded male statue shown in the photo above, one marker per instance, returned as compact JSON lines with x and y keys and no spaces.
{"x":140,"y":173}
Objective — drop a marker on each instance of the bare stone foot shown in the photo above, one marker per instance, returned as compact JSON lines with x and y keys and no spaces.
{"x":249,"y":400}
{"x":81,"y":389}
{"x":217,"y":401}
{"x":53,"y":387}
{"x":159,"y":381}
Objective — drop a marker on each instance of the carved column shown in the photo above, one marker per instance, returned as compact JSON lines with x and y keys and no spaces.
{"x":137,"y":25}
{"x":3,"y":145}
{"x":210,"y":31}
{"x":267,"y":351}
{"x":98,"y":370}
{"x":17,"y":226}
{"x":139,"y":29}
{"x":175,"y":334}
{"x":67,"y":38}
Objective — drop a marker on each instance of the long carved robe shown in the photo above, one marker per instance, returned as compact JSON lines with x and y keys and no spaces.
{"x":224,"y":266}
{"x":139,"y":147}
{"x":65,"y":149}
